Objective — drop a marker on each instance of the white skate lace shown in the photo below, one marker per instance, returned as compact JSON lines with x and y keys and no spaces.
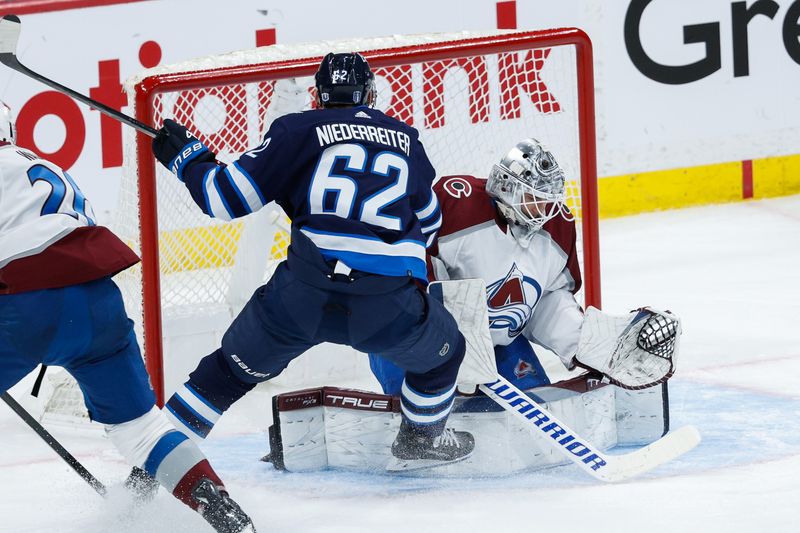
{"x":447,"y":438}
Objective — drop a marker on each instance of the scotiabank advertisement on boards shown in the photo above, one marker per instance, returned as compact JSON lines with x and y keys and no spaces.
{"x":678,"y":82}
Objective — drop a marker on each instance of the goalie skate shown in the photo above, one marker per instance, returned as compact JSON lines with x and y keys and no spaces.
{"x":412,"y":451}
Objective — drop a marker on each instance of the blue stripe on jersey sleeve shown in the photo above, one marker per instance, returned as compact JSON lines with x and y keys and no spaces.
{"x":245,"y":208}
{"x":247,"y":175}
{"x":204,"y":191}
{"x":432,"y":226}
{"x":231,"y":197}
{"x":430,"y":209}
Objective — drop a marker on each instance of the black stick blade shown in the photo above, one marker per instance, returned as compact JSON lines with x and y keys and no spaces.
{"x":9,"y":35}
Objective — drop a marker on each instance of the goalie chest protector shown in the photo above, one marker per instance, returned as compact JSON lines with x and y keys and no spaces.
{"x":474,"y":242}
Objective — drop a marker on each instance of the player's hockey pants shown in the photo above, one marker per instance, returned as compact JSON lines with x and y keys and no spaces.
{"x":84,"y":329}
{"x":303,"y":305}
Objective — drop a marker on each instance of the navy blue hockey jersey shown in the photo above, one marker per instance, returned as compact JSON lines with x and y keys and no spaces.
{"x":356,"y":182}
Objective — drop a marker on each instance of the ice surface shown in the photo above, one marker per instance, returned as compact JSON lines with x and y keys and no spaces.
{"x":731,"y":272}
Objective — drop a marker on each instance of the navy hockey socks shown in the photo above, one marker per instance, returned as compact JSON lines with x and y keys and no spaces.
{"x":426,"y":399}
{"x":427,"y":413}
{"x":212,"y":388}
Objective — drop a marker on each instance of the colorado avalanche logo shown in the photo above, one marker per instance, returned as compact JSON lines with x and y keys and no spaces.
{"x":458,"y":187}
{"x":508,"y":308}
{"x":524,"y":368}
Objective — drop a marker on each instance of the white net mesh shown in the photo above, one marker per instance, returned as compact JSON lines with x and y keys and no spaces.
{"x":469,"y":111}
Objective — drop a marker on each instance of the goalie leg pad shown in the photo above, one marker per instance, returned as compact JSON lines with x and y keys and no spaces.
{"x":354,"y":430}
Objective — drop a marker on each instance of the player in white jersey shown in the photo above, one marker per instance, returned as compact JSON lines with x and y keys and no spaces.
{"x":59,"y":306}
{"x":515,"y":231}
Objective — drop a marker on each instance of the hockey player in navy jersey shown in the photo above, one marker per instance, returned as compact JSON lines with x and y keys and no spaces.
{"x":357,"y":186}
{"x":59,"y":307}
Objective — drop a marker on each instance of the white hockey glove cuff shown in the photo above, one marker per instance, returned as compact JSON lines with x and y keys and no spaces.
{"x":634,"y":351}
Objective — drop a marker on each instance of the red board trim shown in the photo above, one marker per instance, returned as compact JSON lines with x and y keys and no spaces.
{"x":28,"y":7}
{"x":747,"y":178}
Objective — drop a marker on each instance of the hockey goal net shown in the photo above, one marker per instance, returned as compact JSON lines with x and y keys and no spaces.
{"x":471,"y":96}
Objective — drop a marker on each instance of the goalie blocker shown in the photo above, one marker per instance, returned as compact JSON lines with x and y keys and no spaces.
{"x":330,"y":427}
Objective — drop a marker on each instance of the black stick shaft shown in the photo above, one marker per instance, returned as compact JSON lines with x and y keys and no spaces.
{"x":54,"y":444}
{"x":11,"y":61}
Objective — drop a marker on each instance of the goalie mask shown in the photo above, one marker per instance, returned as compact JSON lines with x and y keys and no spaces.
{"x":8,"y":131}
{"x":528,"y":186}
{"x":345,"y":79}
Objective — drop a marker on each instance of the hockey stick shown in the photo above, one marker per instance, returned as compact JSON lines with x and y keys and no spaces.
{"x":10,"y":27}
{"x":139,"y":482}
{"x":610,"y":468}
{"x":55,"y":445}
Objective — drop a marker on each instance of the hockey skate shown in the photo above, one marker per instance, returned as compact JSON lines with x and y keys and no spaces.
{"x":413,"y":450}
{"x":219,"y":510}
{"x":141,"y":485}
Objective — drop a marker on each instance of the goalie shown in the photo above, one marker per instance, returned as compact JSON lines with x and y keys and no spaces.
{"x":515,"y":231}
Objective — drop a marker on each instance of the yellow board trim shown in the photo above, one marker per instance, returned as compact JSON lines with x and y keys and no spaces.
{"x":776,"y":176}
{"x":685,"y":187}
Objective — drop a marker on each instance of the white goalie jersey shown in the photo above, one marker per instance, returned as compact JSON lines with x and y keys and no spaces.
{"x":530,"y":290}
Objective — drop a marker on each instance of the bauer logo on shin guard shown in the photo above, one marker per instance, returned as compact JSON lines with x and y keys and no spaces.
{"x":547,"y":426}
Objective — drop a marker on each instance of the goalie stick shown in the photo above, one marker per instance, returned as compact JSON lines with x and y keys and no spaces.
{"x":609,"y":468}
{"x":10,"y":27}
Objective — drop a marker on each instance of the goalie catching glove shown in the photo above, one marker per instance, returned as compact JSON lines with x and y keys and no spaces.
{"x":634,"y":351}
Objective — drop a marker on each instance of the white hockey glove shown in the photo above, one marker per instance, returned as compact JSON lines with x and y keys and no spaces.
{"x":634,"y":351}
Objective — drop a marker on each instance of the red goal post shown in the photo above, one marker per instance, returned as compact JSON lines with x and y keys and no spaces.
{"x":472,"y":96}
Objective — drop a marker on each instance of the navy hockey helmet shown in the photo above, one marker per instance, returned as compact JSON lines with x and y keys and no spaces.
{"x":345,"y":79}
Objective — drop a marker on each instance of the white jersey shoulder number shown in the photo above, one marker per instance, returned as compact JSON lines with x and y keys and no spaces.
{"x":39,"y":204}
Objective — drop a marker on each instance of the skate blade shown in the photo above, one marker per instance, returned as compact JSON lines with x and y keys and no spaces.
{"x":409,"y":465}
